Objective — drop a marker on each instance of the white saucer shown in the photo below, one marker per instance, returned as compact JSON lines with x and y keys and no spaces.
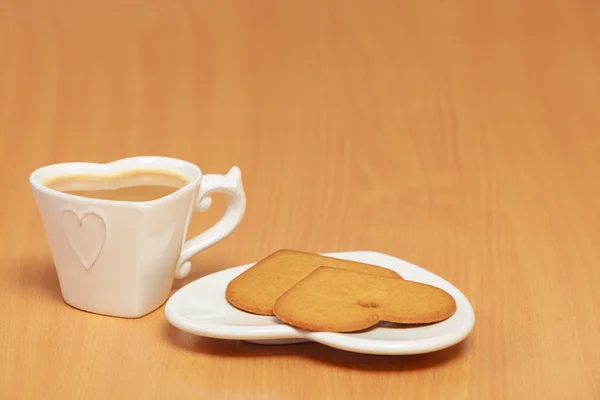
{"x":201,"y":308}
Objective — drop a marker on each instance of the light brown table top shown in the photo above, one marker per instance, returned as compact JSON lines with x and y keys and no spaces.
{"x":460,"y":136}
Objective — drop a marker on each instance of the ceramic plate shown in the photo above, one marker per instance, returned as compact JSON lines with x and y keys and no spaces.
{"x":201,"y":308}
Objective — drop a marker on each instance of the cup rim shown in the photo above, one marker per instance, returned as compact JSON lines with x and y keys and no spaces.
{"x":36,"y":183}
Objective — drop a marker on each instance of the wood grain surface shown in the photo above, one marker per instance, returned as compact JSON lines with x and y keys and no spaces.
{"x":463,"y":136}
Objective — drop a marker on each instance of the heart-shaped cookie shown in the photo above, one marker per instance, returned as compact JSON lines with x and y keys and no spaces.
{"x":256,"y":289}
{"x":338,"y":300}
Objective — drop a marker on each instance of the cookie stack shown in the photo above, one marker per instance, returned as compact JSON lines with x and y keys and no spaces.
{"x":320,"y":293}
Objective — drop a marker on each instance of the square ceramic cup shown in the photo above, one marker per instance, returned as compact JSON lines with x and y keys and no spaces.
{"x":120,"y":258}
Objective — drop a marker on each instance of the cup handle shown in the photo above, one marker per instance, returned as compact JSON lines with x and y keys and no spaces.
{"x":231,"y":184}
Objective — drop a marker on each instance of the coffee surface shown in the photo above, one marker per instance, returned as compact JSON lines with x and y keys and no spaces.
{"x":134,"y":185}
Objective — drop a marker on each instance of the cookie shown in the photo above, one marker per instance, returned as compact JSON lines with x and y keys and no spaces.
{"x":337,"y":300}
{"x":256,"y":289}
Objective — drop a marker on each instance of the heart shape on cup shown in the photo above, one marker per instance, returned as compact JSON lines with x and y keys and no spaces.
{"x":85,"y":234}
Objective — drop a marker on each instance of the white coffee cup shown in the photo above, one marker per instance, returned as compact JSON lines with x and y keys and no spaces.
{"x":119,"y":258}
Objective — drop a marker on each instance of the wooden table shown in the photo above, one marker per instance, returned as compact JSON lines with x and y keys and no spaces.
{"x":462,"y":136}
